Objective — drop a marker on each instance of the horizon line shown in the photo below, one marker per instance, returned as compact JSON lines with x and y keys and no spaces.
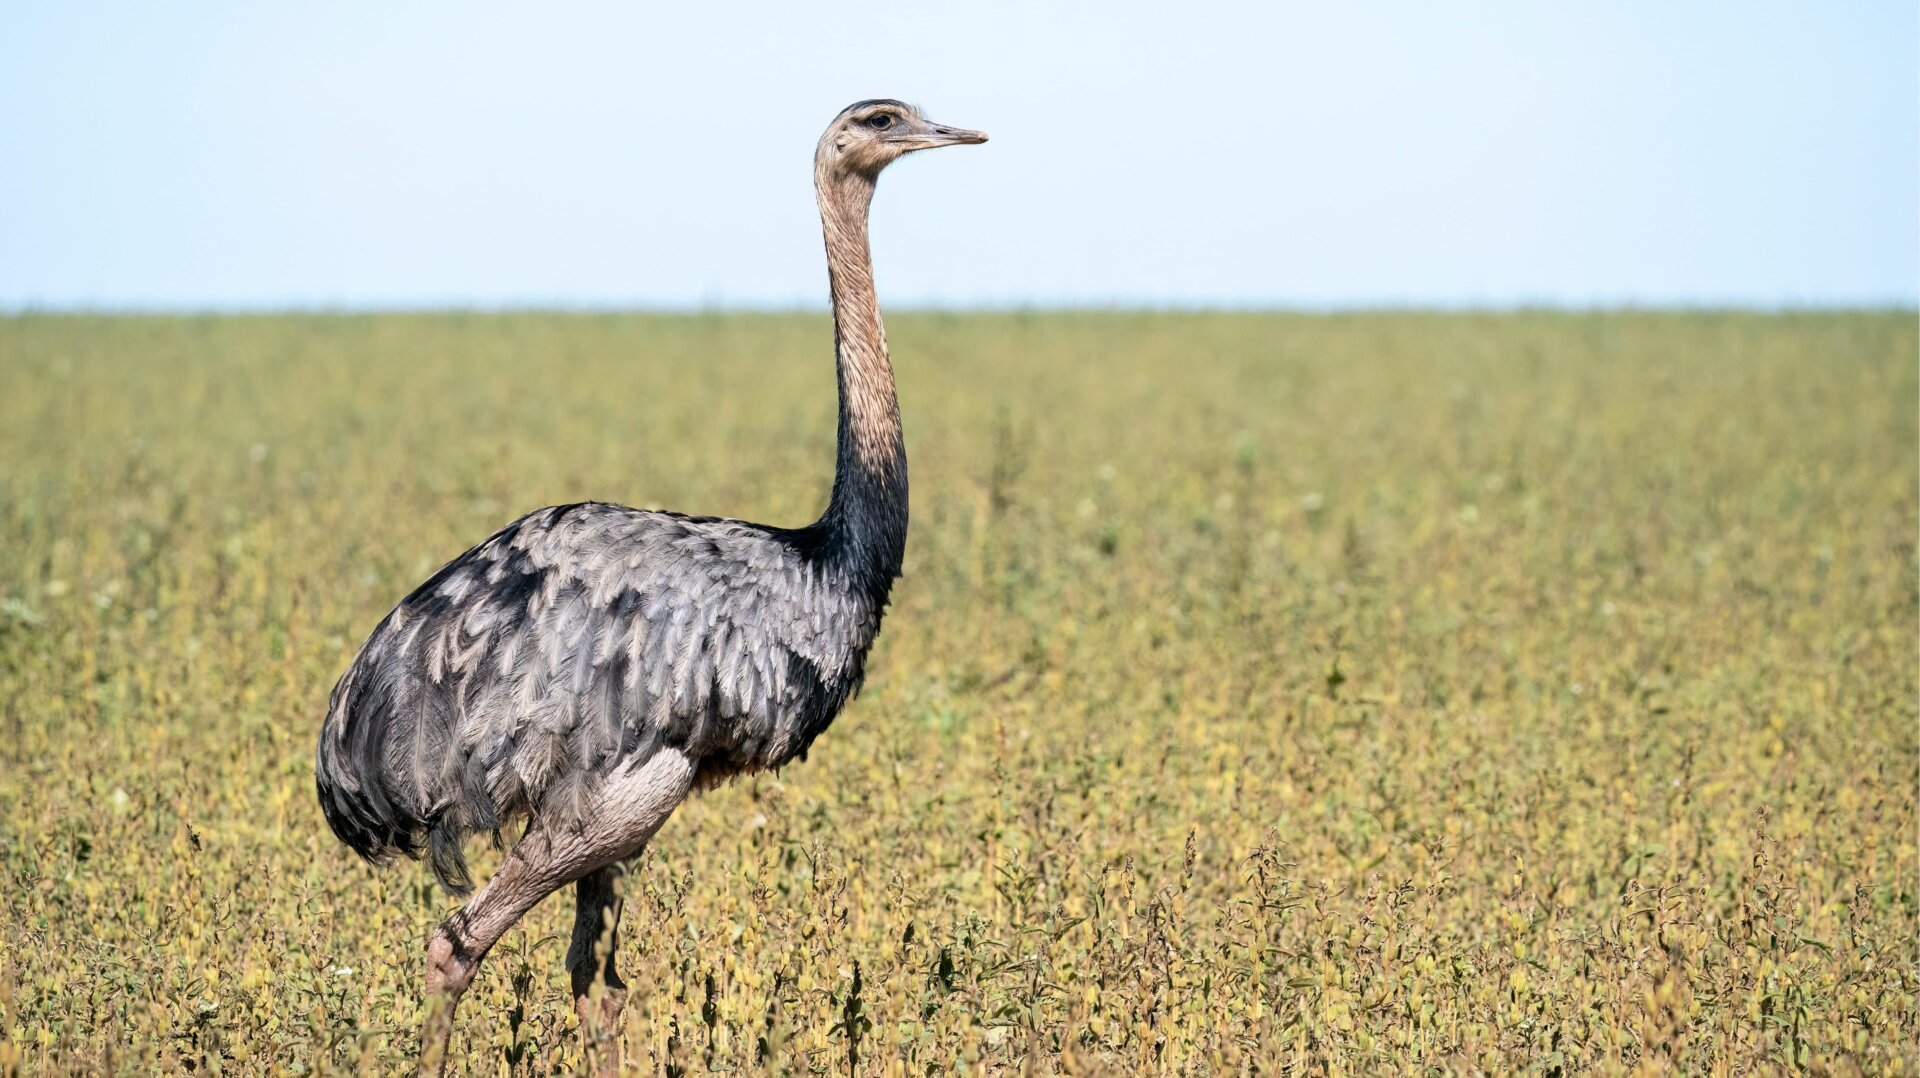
{"x":1885,"y":305}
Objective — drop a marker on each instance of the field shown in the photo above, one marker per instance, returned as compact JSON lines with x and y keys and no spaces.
{"x":1310,"y":693}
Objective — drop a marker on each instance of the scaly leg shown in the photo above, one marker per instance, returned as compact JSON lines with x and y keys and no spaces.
{"x":456,"y":948}
{"x":626,"y":810}
{"x":590,"y":959}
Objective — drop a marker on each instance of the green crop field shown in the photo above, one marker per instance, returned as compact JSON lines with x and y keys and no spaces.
{"x":1303,"y":693}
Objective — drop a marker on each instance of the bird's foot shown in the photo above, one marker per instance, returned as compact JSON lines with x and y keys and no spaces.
{"x":600,"y":1012}
{"x":449,"y":972}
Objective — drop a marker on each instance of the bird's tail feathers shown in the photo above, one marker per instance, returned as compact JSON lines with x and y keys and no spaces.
{"x":376,"y":816}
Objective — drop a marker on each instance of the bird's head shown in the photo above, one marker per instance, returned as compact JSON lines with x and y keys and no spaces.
{"x":868,"y":136}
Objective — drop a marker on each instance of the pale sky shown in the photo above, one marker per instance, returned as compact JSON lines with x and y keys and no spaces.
{"x":202,"y":155}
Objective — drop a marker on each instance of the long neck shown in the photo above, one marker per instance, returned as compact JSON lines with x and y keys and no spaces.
{"x":867,"y":515}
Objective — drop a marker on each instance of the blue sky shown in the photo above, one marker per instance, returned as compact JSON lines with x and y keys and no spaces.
{"x":196,"y":155}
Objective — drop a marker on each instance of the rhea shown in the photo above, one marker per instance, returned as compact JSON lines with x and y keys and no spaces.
{"x":587,"y":667}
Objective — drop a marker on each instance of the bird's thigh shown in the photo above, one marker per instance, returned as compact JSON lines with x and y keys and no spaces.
{"x":629,"y":806}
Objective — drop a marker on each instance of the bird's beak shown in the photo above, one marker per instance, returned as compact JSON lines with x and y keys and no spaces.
{"x":958,"y":136}
{"x":928,"y":136}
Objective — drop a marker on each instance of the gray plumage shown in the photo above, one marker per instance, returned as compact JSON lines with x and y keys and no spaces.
{"x":576,"y":639}
{"x":589,"y":666}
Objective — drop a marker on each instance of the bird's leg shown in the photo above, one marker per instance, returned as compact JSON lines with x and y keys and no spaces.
{"x":627,"y":808}
{"x":590,"y":959}
{"x":533,"y":870}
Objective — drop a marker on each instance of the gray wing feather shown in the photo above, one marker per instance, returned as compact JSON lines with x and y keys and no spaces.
{"x":571,"y":642}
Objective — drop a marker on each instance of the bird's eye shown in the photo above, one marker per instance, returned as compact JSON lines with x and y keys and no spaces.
{"x":880,"y":121}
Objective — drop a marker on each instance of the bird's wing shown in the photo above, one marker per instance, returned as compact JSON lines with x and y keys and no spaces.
{"x":582,"y":637}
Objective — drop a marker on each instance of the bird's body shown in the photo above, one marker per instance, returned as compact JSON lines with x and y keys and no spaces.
{"x":580,"y":639}
{"x":588,"y":666}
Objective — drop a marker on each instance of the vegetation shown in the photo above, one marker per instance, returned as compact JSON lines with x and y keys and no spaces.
{"x":1341,"y":693}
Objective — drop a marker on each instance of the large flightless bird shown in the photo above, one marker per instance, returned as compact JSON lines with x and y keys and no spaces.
{"x":587,"y":667}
